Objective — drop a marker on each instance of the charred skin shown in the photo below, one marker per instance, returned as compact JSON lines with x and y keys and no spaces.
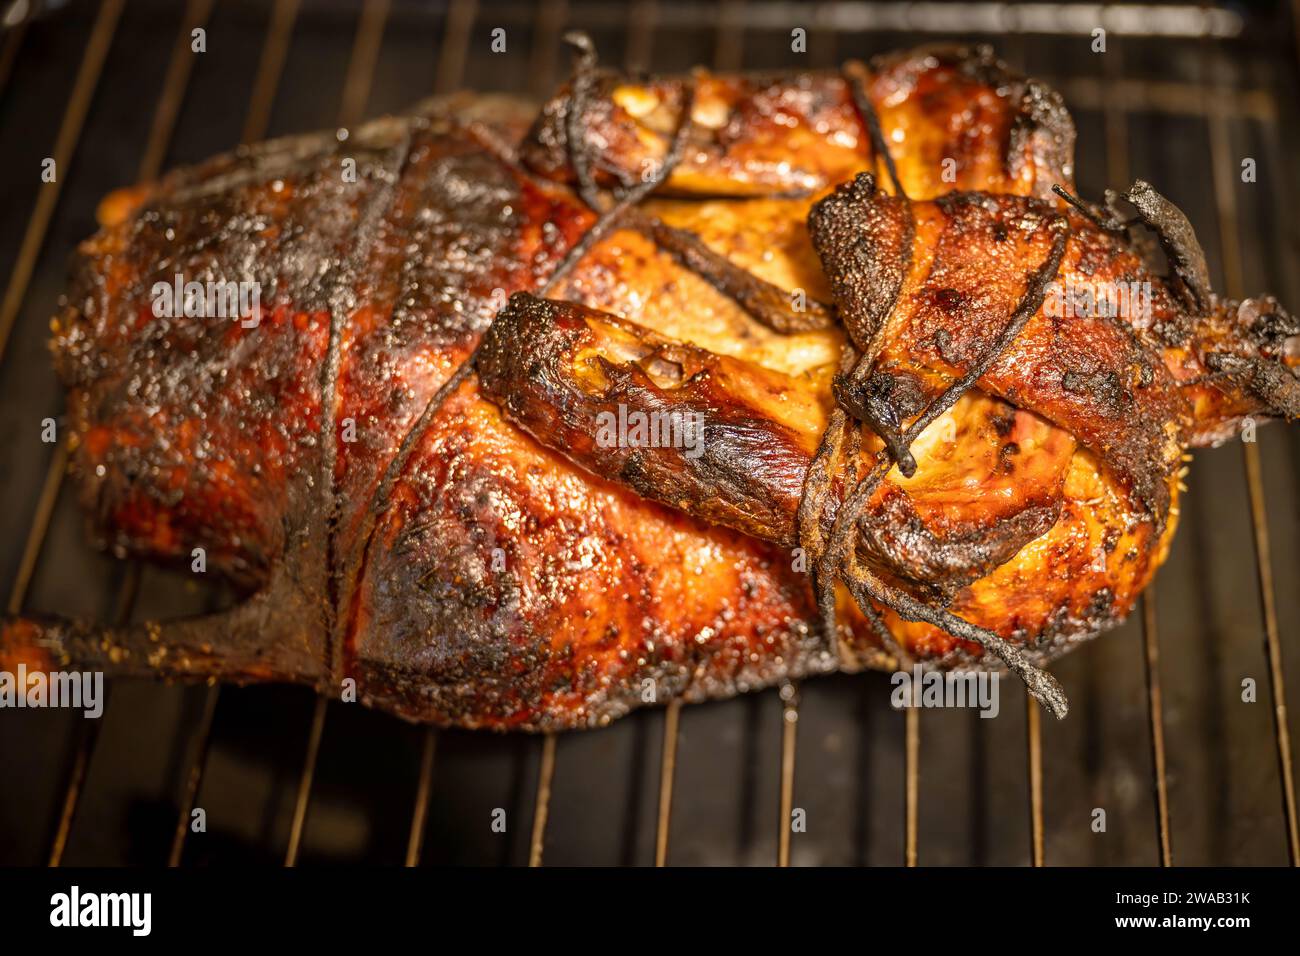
{"x":500,"y":584}
{"x":769,"y":135}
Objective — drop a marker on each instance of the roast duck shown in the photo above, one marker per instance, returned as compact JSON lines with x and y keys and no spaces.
{"x":901,"y":424}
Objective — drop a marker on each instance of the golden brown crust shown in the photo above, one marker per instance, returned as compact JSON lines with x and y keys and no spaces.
{"x":956,"y":116}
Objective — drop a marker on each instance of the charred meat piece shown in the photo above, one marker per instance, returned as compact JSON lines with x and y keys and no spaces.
{"x":402,"y":467}
{"x":731,"y":442}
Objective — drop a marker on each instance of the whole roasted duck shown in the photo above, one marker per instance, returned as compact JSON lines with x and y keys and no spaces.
{"x":921,"y":427}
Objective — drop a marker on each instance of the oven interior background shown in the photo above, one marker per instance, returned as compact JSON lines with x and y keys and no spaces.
{"x":111,"y":90}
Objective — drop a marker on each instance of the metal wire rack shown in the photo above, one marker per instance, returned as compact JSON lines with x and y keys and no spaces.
{"x":1224,"y":110}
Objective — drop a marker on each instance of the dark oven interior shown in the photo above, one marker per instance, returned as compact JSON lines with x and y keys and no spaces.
{"x":1159,"y":738}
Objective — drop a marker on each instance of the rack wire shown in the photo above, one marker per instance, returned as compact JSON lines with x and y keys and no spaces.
{"x":1117,"y":170}
{"x":1234,"y":286}
{"x":1213,"y":101}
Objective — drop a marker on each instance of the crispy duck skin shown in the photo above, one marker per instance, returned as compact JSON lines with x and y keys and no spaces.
{"x":756,"y":135}
{"x":481,"y":561}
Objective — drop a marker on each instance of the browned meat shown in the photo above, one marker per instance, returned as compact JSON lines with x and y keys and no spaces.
{"x":880,"y":380}
{"x":557,"y":369}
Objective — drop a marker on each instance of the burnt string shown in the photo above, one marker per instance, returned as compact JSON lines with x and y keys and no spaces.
{"x":1111,"y":223}
{"x":835,"y":557}
{"x":853,"y":380}
{"x":856,"y":81}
